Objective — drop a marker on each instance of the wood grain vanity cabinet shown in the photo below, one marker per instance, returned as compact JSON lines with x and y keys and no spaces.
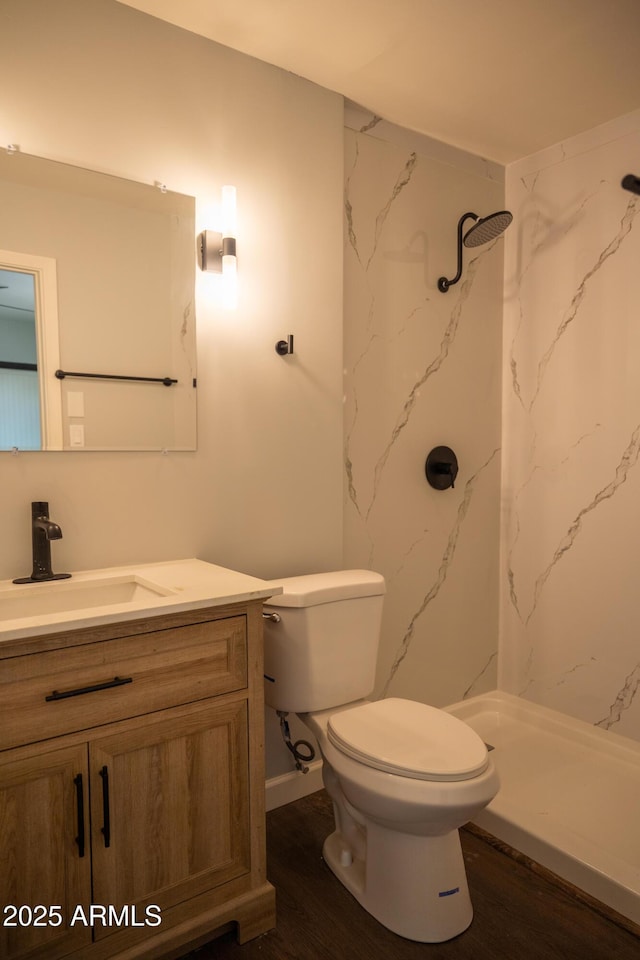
{"x":132,"y":787}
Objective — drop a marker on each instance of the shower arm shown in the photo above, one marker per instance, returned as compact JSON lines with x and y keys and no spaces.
{"x":443,"y":283}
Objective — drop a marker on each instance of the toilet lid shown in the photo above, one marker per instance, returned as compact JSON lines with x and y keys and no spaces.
{"x":409,"y":739}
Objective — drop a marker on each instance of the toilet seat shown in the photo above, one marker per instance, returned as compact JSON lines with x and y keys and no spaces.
{"x":409,"y":739}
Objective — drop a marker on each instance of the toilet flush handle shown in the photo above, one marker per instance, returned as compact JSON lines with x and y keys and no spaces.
{"x":274,"y":617}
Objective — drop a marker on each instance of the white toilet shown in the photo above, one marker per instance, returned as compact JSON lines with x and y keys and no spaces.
{"x":403,"y":776}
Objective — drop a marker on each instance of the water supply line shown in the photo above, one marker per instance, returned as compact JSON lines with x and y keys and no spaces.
{"x":301,"y":758}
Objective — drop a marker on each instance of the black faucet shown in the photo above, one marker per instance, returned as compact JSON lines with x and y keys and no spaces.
{"x":43,"y":530}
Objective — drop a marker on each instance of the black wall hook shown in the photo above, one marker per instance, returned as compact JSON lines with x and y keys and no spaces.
{"x":441,"y":468}
{"x":283,"y":347}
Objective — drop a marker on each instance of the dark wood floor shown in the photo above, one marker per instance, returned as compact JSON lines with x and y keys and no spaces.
{"x":519,"y":914}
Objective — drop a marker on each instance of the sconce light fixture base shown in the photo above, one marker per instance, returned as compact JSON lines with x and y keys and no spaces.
{"x":212,"y":247}
{"x":210,"y":251}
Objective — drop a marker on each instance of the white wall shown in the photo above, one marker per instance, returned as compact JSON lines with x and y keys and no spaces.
{"x":422,"y":370}
{"x":97,"y":84}
{"x":571,"y":484}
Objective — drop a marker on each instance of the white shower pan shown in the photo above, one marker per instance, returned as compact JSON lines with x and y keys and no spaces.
{"x":569,"y":795}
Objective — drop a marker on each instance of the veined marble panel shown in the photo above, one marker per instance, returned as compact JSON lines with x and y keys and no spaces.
{"x":359,"y":120}
{"x":570,"y":608}
{"x":422,"y":368}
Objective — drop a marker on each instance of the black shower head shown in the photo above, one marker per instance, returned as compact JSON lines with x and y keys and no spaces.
{"x":485,"y":229}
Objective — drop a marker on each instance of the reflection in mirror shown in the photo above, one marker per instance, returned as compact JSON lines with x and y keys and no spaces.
{"x":109,"y":267}
{"x":19,"y":390}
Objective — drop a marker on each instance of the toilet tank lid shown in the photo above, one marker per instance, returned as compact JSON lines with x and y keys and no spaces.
{"x":316,"y":588}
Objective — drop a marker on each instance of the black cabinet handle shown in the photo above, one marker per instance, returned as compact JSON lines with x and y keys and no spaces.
{"x":80,"y":812}
{"x":116,"y":682}
{"x":105,"y":829}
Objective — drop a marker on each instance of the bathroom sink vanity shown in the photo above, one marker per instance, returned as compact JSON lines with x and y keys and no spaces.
{"x":131,"y":764}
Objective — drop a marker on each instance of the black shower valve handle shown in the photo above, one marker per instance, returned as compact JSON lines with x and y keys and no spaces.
{"x":441,"y":468}
{"x":445,"y":470}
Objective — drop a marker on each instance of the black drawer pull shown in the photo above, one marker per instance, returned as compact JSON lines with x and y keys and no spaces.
{"x":116,"y":682}
{"x":80,"y":811}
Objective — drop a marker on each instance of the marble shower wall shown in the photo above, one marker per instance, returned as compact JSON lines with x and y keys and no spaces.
{"x":570,"y":580}
{"x":423,"y":368}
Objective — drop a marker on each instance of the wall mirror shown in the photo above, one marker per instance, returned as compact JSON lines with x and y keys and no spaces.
{"x":97,"y":311}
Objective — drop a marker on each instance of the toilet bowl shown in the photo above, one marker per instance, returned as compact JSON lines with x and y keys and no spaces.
{"x":396,"y":845}
{"x":403,"y":776}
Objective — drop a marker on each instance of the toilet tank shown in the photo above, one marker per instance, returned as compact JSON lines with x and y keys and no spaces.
{"x":323,"y":651}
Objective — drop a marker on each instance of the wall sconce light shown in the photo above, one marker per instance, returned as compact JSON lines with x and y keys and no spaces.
{"x":217,"y":249}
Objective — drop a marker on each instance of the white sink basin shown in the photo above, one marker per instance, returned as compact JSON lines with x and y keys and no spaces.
{"x":67,"y":596}
{"x":92,"y":598}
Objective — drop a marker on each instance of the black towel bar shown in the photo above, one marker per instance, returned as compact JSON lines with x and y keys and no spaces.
{"x":61,"y":374}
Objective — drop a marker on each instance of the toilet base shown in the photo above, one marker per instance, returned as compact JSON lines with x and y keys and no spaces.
{"x":415,"y":886}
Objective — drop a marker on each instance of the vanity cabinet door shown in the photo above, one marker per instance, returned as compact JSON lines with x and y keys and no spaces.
{"x":170,"y":807}
{"x":45,"y":870}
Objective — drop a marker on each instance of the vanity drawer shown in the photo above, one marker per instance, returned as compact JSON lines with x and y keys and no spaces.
{"x":61,"y":691}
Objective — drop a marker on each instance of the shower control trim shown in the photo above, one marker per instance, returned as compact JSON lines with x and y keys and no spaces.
{"x":441,"y":468}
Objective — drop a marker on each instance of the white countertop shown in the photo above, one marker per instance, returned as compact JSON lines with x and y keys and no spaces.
{"x":189,"y":585}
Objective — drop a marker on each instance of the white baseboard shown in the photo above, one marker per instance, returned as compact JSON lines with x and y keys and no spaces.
{"x":292,"y":786}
